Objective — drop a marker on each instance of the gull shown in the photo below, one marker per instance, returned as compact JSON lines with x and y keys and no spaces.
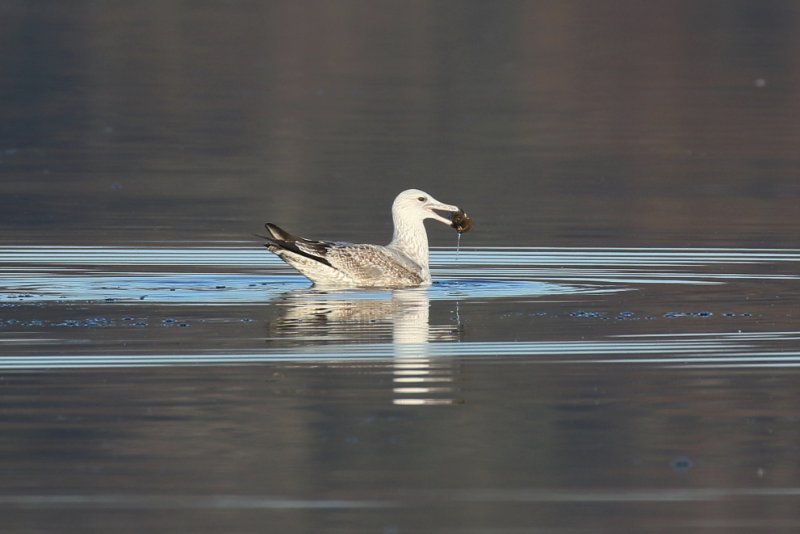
{"x":401,"y":263}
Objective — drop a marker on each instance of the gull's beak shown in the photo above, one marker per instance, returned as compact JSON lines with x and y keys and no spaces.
{"x":434,"y":204}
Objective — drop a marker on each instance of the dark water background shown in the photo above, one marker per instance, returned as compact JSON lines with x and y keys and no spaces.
{"x":613,"y":348}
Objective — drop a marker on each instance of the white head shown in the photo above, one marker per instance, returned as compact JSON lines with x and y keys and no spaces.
{"x":413,"y":204}
{"x":409,"y":211}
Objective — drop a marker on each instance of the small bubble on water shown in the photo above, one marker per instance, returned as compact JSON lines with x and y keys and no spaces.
{"x":681,"y":464}
{"x":587,"y":315}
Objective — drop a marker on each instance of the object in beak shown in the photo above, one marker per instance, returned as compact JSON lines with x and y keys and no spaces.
{"x":435,"y":206}
{"x":461,"y":221}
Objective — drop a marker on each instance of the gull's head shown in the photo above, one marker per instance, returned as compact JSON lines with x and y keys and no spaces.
{"x":416,"y":204}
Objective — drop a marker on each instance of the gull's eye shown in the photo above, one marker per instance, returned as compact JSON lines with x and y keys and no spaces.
{"x":421,"y":199}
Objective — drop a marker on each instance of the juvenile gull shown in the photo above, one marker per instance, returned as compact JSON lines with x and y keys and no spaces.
{"x":401,"y":263}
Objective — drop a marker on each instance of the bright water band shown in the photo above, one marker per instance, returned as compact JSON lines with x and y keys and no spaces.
{"x":105,"y":278}
{"x":71,"y":273}
{"x":253,"y":256}
{"x":721,"y":350}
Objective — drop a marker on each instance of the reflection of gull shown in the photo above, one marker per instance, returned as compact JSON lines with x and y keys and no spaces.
{"x":418,"y":379}
{"x":401,"y":263}
{"x":400,"y":316}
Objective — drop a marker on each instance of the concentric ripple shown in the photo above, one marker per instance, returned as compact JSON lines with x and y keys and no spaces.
{"x":228,"y":275}
{"x":76,"y":307}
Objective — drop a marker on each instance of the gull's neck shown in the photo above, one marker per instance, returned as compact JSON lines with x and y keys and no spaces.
{"x":411,"y":239}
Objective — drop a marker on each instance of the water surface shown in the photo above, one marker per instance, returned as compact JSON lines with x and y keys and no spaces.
{"x":613,"y":348}
{"x":635,"y":380}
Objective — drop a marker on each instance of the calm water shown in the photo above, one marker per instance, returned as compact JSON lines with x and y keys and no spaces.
{"x":614,"y":347}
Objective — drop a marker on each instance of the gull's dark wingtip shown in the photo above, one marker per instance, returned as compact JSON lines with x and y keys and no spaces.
{"x":279,"y":233}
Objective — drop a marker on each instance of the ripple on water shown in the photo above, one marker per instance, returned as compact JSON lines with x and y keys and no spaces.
{"x":226,"y":288}
{"x":49,"y":274}
{"x":468,"y":288}
{"x":301,"y":323}
{"x":711,"y":350}
{"x":170,"y":276}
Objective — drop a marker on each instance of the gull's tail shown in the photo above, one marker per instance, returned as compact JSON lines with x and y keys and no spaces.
{"x":280,"y":241}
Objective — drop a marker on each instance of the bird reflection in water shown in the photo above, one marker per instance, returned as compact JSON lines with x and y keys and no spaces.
{"x":398,"y":317}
